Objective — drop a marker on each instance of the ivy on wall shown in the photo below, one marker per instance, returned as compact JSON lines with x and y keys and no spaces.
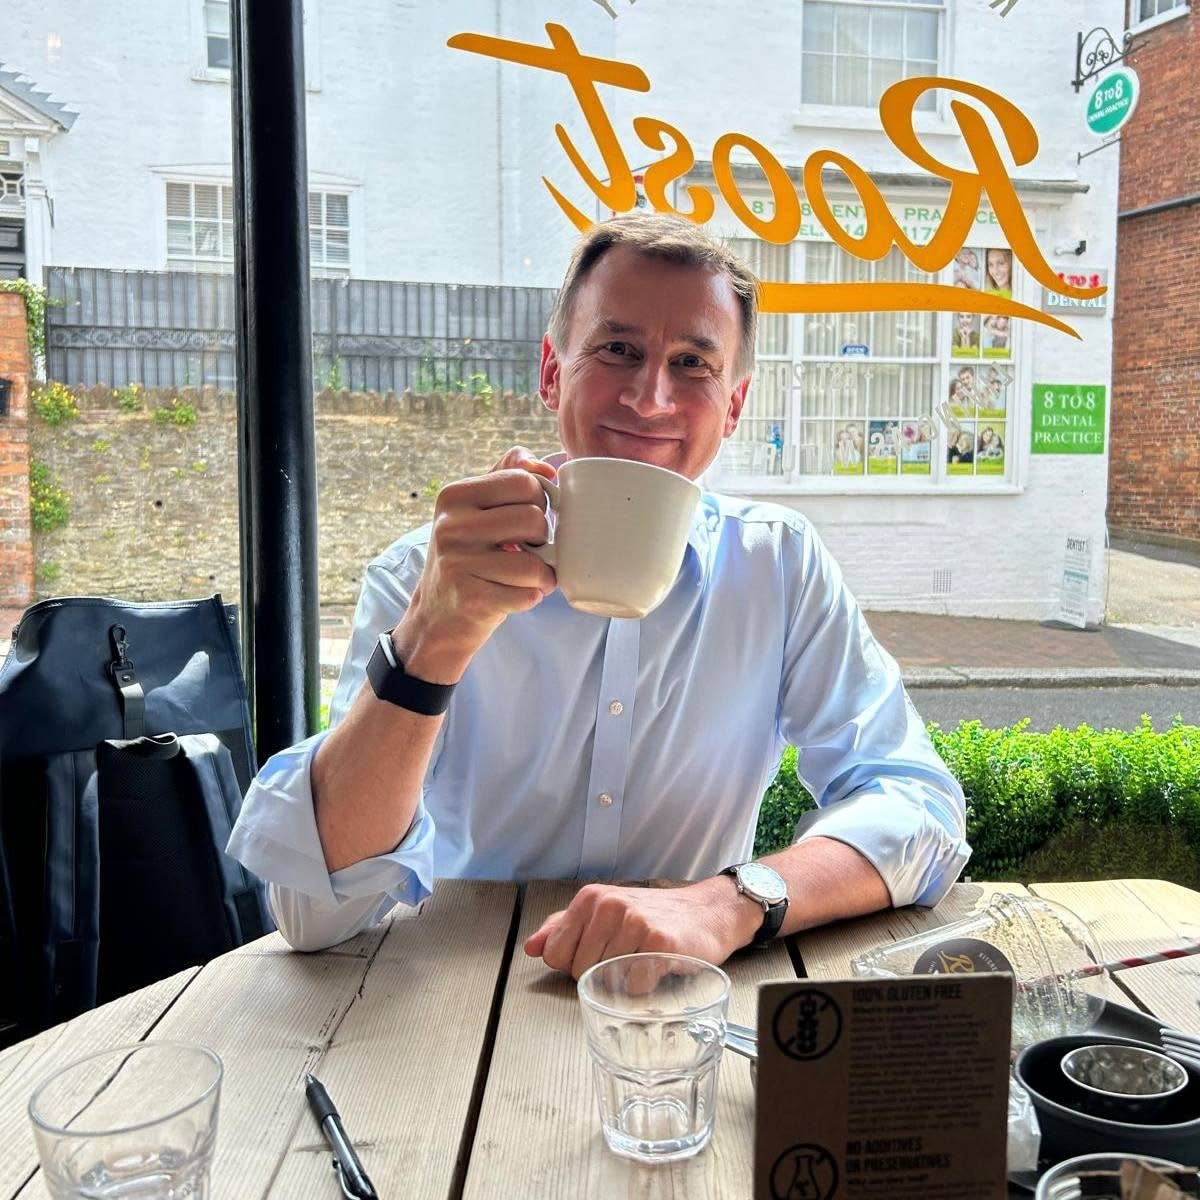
{"x":49,"y":505}
{"x":36,"y":303}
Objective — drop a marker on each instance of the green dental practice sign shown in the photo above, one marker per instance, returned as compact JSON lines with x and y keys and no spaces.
{"x":1113,"y":102}
{"x":1068,"y":418}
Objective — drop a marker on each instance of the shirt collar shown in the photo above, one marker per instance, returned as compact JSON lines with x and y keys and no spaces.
{"x":703,"y":519}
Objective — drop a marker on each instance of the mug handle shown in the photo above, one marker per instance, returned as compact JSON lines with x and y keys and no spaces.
{"x":545,"y":551}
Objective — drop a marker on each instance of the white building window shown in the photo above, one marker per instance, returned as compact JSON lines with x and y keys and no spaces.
{"x":855,"y":49}
{"x":329,"y":233}
{"x":200,"y":228}
{"x":12,"y":188}
{"x":878,"y":398}
{"x":216,"y":34}
{"x":1146,"y":14}
{"x":1147,"y":10}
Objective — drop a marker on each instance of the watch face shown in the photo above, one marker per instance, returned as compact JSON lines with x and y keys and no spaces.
{"x":765,"y":883}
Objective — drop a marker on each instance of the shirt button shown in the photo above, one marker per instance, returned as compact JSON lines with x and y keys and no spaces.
{"x":616,"y":708}
{"x":604,"y":799}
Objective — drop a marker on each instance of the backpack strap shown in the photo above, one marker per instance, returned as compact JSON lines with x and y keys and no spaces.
{"x":217,"y":782}
{"x":71,"y":938}
{"x":10,"y":996}
{"x":124,"y":678}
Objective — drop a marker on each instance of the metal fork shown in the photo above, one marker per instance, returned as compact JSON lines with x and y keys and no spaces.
{"x":1182,"y":1046}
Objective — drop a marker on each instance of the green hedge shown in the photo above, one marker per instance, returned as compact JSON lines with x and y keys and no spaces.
{"x":1070,"y":804}
{"x":1073,"y":803}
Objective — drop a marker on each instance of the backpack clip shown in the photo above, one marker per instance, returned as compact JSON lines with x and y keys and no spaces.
{"x":124,"y":677}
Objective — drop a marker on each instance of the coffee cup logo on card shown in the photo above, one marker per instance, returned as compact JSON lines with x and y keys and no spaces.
{"x":807,"y":1025}
{"x":961,"y":956}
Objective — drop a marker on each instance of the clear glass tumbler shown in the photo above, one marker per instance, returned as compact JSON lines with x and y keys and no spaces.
{"x":1048,"y":950}
{"x":655,"y":1028}
{"x":133,"y":1122}
{"x":1062,"y":1182}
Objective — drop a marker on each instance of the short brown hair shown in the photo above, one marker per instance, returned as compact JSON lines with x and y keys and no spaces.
{"x":674,"y":239}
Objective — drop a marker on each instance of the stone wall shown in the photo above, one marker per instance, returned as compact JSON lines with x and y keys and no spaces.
{"x":1154,"y":472}
{"x":16,"y":538}
{"x":153,"y":495}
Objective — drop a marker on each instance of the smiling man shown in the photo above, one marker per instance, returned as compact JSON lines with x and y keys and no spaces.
{"x":482,"y":728}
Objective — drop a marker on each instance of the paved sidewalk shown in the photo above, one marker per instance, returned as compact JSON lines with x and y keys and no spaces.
{"x":936,"y":651}
{"x":1154,"y":594}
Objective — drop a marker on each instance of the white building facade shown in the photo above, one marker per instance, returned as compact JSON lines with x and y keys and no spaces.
{"x":906,"y":437}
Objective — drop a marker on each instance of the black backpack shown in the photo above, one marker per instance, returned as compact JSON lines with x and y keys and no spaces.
{"x":125,"y":750}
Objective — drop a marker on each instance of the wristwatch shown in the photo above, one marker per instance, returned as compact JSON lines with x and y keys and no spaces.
{"x":764,"y":885}
{"x":392,"y":683}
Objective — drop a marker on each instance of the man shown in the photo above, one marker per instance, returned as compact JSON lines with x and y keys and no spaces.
{"x":504,"y":735}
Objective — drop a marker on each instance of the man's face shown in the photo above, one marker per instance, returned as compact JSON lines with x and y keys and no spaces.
{"x":648,"y":369}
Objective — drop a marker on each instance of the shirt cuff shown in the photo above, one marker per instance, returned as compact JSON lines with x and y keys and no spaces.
{"x":895,"y":827}
{"x":276,"y":838}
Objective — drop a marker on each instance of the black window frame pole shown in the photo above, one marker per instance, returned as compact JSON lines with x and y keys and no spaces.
{"x":276,"y":435}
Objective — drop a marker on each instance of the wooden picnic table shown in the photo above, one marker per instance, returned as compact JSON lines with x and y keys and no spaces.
{"x":459,"y":1064}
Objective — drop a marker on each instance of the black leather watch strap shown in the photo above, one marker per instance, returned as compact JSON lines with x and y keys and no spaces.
{"x":390,"y":682}
{"x":772,"y":922}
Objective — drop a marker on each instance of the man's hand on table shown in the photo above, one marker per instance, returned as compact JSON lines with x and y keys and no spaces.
{"x":707,"y":920}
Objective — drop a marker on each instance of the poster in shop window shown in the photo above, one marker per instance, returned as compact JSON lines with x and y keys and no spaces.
{"x":882,"y":448}
{"x":916,"y":446}
{"x":849,"y":444}
{"x":960,"y":449}
{"x":989,"y":448}
{"x":992,"y":385}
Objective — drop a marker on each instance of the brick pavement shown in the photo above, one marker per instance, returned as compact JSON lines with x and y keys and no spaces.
{"x":925,"y":641}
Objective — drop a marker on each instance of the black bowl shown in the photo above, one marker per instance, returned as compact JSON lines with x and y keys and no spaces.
{"x":1171,"y":1132}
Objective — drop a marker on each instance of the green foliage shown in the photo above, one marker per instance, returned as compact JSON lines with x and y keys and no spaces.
{"x":1034,"y":800}
{"x":333,"y":376}
{"x":783,"y":802}
{"x":178,"y":412}
{"x":55,"y":403}
{"x":49,"y":573}
{"x":435,"y":376}
{"x":431,"y":489}
{"x":129,"y":398}
{"x":49,"y":506}
{"x":100,"y":445}
{"x":200,"y":466}
{"x":36,"y":304}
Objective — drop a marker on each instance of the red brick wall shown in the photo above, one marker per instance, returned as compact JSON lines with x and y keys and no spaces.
{"x":16,"y":537}
{"x":1154,"y":467}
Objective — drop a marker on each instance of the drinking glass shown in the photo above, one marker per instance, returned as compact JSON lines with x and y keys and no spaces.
{"x":1062,"y":1182}
{"x":655,"y":1029}
{"x":1048,"y":950}
{"x":136,"y":1123}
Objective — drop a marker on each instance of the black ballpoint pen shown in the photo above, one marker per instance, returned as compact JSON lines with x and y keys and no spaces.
{"x":350,"y":1171}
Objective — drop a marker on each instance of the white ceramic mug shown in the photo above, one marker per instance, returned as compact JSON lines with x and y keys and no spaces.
{"x":619,"y":533}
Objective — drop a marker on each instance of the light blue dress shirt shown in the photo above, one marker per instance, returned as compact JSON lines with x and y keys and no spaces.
{"x":578,"y":746}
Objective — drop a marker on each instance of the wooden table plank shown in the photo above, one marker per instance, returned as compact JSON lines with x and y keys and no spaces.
{"x":402,"y":1065}
{"x":24,"y":1066}
{"x":1135,"y":917}
{"x":270,"y":1014}
{"x":539,"y":1131}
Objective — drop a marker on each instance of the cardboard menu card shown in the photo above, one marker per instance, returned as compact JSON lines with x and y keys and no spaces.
{"x":883,"y":1088}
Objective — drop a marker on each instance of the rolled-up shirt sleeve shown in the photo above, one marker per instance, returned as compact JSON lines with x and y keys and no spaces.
{"x":276,"y":833}
{"x":864,"y":753}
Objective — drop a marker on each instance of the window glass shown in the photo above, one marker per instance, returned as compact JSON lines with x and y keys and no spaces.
{"x":216,"y":33}
{"x":855,"y":49}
